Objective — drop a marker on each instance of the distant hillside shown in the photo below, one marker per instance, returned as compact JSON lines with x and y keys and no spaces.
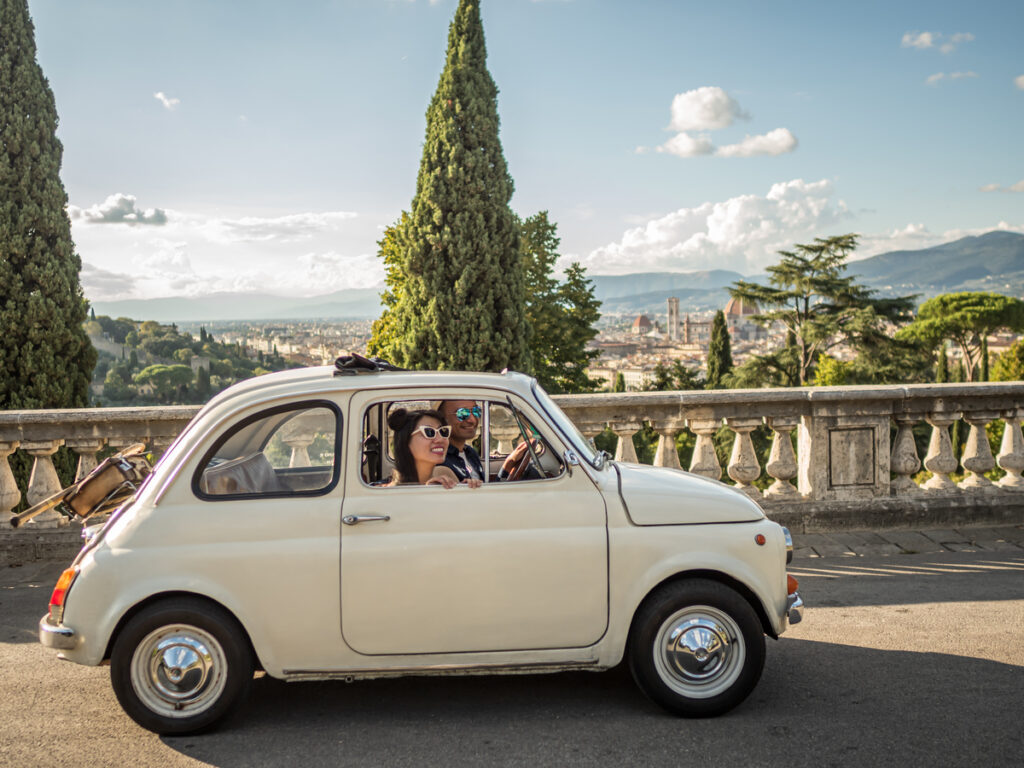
{"x":990,"y":262}
{"x":675,"y":283}
{"x":340,"y":305}
{"x":993,"y":261}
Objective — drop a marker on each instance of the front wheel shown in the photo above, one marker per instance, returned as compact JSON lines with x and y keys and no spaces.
{"x":696,"y":648}
{"x":180,"y":666}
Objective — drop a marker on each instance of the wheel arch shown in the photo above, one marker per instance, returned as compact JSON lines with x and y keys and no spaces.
{"x":170,"y":595}
{"x":711,"y":575}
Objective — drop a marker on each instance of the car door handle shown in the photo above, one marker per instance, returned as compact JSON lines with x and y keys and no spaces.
{"x":355,"y":519}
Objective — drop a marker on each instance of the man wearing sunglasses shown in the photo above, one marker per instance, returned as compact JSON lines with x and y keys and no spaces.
{"x":463,"y":416}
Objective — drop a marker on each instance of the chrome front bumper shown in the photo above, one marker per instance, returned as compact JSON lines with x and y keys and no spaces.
{"x":56,"y":636}
{"x":794,"y":608}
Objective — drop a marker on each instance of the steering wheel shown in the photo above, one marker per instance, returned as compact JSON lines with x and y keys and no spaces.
{"x":517,"y":471}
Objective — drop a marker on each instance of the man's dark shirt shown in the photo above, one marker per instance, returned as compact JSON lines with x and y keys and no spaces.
{"x":454,"y":462}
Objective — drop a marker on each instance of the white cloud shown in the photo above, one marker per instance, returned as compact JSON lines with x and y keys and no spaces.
{"x":169,"y":102}
{"x":1018,"y":187}
{"x":938,"y":76}
{"x":919,"y":40}
{"x":193,"y":254}
{"x":742,"y":233}
{"x":776,"y":142}
{"x":291,"y":228}
{"x":685,"y":145}
{"x":709,"y":109}
{"x":954,"y":40}
{"x":704,"y":109}
{"x":119,"y":209}
{"x":1019,"y":81}
{"x":925,"y":40}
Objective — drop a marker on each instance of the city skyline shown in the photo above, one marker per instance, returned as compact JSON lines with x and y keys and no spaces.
{"x":207,"y":151}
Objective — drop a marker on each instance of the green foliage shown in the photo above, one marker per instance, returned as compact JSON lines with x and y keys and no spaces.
{"x":719,"y":352}
{"x":459,"y":301}
{"x":942,"y":366}
{"x":831,"y":372}
{"x":673,"y":377}
{"x":45,"y":355}
{"x":965,"y":318}
{"x":561,"y":315}
{"x":1009,"y":366}
{"x":821,"y":308}
{"x":620,"y":383}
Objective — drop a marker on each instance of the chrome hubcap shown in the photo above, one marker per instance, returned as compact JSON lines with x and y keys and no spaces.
{"x":179,"y":670}
{"x":699,"y":651}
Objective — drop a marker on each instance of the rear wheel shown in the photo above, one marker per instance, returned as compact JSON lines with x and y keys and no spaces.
{"x":180,"y":666}
{"x":696,"y":648}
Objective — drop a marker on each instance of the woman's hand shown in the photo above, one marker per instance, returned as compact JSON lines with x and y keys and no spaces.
{"x":474,"y":482}
{"x":445,"y":480}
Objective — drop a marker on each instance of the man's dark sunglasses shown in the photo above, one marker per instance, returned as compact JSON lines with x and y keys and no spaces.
{"x":464,"y":413}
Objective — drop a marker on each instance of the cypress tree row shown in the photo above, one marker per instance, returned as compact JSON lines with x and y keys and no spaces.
{"x":456,"y":286}
{"x":719,"y":352}
{"x":46,"y":358}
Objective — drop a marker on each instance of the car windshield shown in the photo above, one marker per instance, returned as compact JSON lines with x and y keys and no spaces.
{"x":564,"y":423}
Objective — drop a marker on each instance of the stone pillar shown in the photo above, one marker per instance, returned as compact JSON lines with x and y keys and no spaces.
{"x":9,"y":493}
{"x":743,"y":466}
{"x":86,"y":449}
{"x":44,"y":482}
{"x":940,"y":460}
{"x":667,"y":456}
{"x":782,"y":461}
{"x":977,"y":458}
{"x":624,"y":449}
{"x":1011,"y":453}
{"x":705,"y":459}
{"x":904,"y":462}
{"x":299,"y":442}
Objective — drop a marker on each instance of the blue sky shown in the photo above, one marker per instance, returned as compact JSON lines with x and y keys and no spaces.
{"x":212,"y":145}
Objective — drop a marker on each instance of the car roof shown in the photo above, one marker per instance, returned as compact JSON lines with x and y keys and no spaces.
{"x":324,"y":379}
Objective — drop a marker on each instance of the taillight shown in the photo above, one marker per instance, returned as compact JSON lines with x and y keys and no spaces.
{"x":59,"y":593}
{"x":791,"y":584}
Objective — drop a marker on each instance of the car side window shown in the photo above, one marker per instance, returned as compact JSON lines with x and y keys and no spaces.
{"x":505,"y":427}
{"x":290,"y":451}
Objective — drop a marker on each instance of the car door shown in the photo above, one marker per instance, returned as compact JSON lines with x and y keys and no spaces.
{"x":508,"y":566}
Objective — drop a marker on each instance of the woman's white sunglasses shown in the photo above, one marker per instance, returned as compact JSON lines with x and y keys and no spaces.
{"x":431,"y":432}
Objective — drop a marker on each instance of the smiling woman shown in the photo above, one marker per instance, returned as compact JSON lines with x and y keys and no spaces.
{"x":421,"y":443}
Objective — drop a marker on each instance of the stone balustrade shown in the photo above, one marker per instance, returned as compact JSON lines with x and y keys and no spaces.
{"x":853,"y":465}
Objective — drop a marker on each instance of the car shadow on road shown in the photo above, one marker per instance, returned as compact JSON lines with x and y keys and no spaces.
{"x":817,"y":703}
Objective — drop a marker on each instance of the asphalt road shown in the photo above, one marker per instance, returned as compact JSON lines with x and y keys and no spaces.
{"x":908,"y":660}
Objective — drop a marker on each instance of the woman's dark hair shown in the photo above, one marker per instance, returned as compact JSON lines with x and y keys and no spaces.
{"x":402,"y":423}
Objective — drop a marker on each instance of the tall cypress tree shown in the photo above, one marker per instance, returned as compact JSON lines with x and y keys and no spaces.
{"x":46,"y":358}
{"x":456,"y":279}
{"x":719,"y":352}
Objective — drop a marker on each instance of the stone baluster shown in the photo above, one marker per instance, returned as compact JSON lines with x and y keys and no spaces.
{"x":666,"y":455}
{"x":705,"y":458}
{"x":44,"y":482}
{"x":86,"y":449}
{"x":743,"y":466}
{"x":977,"y":458}
{"x":782,"y":461}
{"x":940,"y":460}
{"x":904,"y":461}
{"x":1011,"y":452}
{"x":299,"y":441}
{"x":624,"y":448}
{"x":9,"y":493}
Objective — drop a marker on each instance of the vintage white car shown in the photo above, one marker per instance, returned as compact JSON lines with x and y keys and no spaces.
{"x":264,"y":540}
